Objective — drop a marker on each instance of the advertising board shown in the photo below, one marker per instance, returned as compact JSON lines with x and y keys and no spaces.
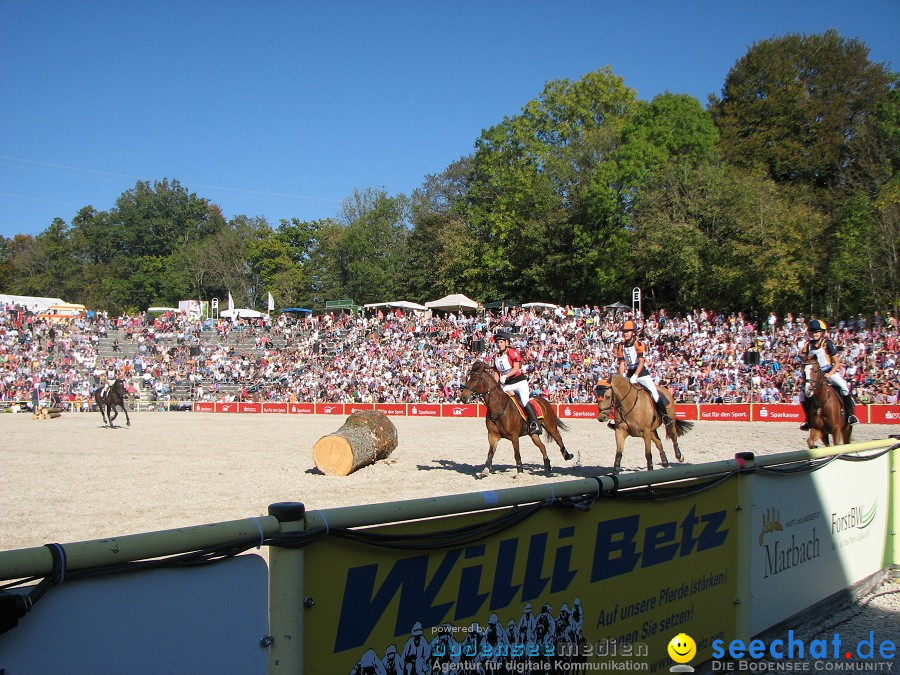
{"x":735,"y":412}
{"x":392,"y":409}
{"x":577,"y":411}
{"x":816,"y":534}
{"x":459,"y":410}
{"x":617,"y":582}
{"x":424,"y":409}
{"x":777,"y":412}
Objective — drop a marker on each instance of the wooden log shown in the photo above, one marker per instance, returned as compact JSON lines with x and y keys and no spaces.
{"x":52,"y":409}
{"x":365,"y":437}
{"x":54,"y":415}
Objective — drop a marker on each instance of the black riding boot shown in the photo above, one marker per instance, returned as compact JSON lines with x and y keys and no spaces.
{"x":661,"y":404}
{"x":850,"y":407}
{"x":534,"y":427}
{"x":805,"y":406}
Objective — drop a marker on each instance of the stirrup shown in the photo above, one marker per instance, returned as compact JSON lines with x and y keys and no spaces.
{"x":534,"y":428}
{"x":804,"y":426}
{"x":666,"y":420}
{"x":852,"y":419}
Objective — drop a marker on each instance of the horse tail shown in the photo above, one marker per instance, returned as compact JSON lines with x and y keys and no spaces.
{"x":681,"y":427}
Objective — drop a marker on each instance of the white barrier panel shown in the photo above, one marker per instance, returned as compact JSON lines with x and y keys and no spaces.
{"x":815,"y":534}
{"x":206,"y":619}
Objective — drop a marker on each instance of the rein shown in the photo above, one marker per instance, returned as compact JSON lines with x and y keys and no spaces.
{"x":632,"y":390}
{"x":484,"y":397}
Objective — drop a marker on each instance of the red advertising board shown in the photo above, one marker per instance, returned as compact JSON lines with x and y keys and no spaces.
{"x":329,"y":408}
{"x":424,"y":409}
{"x":777,"y":412}
{"x":392,"y":409}
{"x":459,"y":410}
{"x":687,"y":412}
{"x":881,"y":414}
{"x":277,"y":408}
{"x":204,"y":406}
{"x":576,"y":411}
{"x":734,"y":412}
{"x":250,"y":407}
{"x":350,"y":408}
{"x":231,"y":407}
{"x":301,"y":408}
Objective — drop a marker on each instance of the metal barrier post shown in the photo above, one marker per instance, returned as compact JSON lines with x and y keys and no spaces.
{"x":286,"y":594}
{"x":892,"y":545}
{"x":743,"y":601}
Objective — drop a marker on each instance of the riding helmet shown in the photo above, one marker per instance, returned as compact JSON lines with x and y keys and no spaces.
{"x":501,"y":335}
{"x":815,"y":325}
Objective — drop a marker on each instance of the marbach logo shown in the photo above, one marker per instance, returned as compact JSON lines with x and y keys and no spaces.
{"x":771,"y":522}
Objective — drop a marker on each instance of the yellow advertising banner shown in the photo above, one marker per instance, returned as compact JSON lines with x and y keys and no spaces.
{"x":565,"y":590}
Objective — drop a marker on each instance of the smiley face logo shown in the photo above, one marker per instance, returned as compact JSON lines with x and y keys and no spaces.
{"x":682,"y":648}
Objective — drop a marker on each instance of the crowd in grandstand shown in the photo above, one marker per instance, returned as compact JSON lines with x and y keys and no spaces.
{"x":399,"y":356}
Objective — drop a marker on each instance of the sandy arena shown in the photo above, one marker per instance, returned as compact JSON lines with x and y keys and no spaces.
{"x":70,"y":479}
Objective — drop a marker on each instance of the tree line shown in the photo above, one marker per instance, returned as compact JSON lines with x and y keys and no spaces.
{"x":781,"y":193}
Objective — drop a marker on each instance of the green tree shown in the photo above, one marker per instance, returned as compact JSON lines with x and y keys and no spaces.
{"x":546,"y":198}
{"x":441,"y":247}
{"x":799,"y":105}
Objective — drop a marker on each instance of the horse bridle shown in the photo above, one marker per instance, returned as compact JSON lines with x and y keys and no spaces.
{"x":483,"y":396}
{"x":613,"y":398}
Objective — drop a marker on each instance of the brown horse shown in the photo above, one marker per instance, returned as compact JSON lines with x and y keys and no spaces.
{"x":503,"y":419}
{"x":635,"y":415}
{"x":827,"y":417}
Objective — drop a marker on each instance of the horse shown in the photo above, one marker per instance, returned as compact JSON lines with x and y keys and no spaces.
{"x":634,"y":414}
{"x":503,"y":419}
{"x":112,"y":399}
{"x":827,"y":416}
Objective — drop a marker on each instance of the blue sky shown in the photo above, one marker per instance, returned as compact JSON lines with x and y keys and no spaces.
{"x":282,"y":109}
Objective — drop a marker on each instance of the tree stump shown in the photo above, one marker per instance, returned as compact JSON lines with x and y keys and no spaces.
{"x":365,"y":437}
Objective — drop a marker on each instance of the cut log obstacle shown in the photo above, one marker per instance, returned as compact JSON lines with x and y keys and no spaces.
{"x":365,"y":437}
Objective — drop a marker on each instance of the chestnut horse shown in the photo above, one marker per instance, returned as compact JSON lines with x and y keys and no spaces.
{"x":827,"y":417}
{"x":635,"y":415}
{"x":503,"y":419}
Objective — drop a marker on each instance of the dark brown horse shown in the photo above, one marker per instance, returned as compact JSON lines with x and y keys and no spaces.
{"x":827,"y":417}
{"x":635,"y":414}
{"x":109,"y":401}
{"x":504,"y":420}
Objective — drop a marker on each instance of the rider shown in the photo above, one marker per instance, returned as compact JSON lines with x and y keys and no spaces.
{"x":631,"y":354}
{"x":820,"y":348}
{"x":508,"y":363}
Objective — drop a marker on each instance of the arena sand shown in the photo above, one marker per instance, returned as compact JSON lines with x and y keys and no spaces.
{"x":70,"y":479}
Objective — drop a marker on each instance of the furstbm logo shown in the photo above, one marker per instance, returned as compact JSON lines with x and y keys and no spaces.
{"x":854,"y":518}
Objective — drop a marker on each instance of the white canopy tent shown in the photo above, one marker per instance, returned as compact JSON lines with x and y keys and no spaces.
{"x":399,"y":304}
{"x":541,"y":305}
{"x":30,"y":302}
{"x":453,"y":302}
{"x":242,"y":314}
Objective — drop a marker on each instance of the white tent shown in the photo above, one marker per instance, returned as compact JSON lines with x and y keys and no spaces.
{"x":453,"y":302}
{"x":546,"y":305}
{"x":34,"y":303}
{"x":399,"y":304}
{"x":242,"y":313}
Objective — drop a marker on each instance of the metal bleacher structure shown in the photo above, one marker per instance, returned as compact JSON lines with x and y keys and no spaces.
{"x":238,"y":342}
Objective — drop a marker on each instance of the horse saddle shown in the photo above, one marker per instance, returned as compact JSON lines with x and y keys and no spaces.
{"x":524,"y":415}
